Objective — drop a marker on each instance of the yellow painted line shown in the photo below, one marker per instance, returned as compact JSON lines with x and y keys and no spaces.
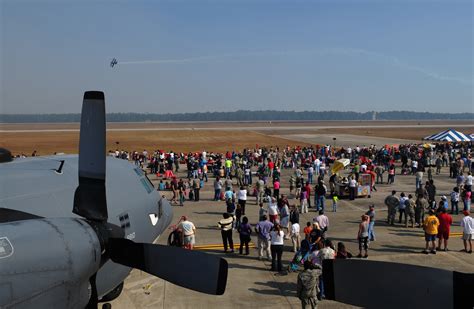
{"x":210,"y":247}
{"x":450,"y":235}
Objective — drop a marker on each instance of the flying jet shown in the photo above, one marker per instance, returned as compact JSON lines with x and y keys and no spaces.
{"x":113,"y":62}
{"x":71,"y":229}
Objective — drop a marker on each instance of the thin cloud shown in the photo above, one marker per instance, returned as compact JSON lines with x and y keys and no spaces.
{"x":394,"y":61}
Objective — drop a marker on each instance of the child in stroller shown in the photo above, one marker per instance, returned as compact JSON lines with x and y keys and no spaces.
{"x":301,"y":255}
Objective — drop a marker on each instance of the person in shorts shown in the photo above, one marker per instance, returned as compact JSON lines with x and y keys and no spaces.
{"x":467,"y":223}
{"x":363,"y":236}
{"x":188,"y":231}
{"x":430,"y":225}
{"x":445,"y":221}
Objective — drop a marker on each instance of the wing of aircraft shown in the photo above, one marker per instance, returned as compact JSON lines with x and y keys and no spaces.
{"x":113,"y":62}
{"x":51,"y":256}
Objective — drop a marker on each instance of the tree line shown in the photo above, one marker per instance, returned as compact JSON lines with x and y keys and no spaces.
{"x":240,"y":115}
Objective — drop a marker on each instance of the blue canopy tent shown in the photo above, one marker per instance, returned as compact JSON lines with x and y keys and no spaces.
{"x":449,"y":135}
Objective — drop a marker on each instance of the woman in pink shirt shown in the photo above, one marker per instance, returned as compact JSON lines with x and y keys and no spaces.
{"x":467,"y":199}
{"x":276,"y":188}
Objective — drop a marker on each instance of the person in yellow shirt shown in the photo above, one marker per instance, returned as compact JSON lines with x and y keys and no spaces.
{"x":430,"y":225}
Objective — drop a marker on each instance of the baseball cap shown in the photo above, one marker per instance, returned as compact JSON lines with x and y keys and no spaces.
{"x":466,"y":212}
{"x":443,"y":197}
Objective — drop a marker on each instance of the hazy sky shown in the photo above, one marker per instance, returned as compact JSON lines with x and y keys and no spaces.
{"x":189,"y":56}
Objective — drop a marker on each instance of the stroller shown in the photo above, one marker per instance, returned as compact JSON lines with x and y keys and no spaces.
{"x":175,"y":237}
{"x":301,"y":256}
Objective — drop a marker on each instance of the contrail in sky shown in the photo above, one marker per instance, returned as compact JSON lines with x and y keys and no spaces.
{"x":323,"y":52}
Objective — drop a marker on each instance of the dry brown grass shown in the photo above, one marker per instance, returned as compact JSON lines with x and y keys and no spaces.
{"x":178,"y":141}
{"x":211,"y":140}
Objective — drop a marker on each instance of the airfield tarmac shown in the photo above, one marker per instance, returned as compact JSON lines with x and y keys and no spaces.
{"x":250,"y":282}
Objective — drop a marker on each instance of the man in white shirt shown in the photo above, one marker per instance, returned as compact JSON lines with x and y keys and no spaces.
{"x":242,"y":198}
{"x":468,"y":182}
{"x":323,"y":222}
{"x":467,"y":223}
{"x":317,"y":163}
{"x":352,"y":188}
{"x":295,"y":236}
{"x":188,"y":232}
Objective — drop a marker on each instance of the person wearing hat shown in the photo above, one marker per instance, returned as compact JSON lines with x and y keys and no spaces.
{"x":445,"y":202}
{"x":467,"y":223}
{"x":430,"y":225}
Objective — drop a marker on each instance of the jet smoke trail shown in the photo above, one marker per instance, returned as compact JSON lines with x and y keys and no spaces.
{"x":394,"y":61}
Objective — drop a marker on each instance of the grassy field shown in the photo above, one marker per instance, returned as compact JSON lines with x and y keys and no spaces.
{"x":211,"y":136}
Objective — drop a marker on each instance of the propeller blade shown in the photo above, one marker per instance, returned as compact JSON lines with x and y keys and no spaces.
{"x":10,"y":215}
{"x":342,"y":283}
{"x":89,"y":199}
{"x":190,"y":269}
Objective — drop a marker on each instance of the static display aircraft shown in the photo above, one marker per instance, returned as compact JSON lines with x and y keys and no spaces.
{"x":113,"y":62}
{"x":69,"y":238}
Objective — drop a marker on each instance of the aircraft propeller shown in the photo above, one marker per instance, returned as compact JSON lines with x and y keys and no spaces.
{"x":194,"y":270}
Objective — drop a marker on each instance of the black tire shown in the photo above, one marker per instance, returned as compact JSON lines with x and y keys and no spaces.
{"x":174,"y":239}
{"x":170,"y":239}
{"x":113,"y":294}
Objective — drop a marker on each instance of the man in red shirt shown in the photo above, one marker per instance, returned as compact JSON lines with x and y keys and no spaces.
{"x":308,"y":192}
{"x":445,"y":221}
{"x":271,"y":166}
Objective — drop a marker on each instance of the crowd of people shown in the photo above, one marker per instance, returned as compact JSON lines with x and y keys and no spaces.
{"x":237,"y":177}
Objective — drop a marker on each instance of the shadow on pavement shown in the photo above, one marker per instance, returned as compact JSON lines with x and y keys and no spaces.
{"x":209,"y":212}
{"x":405,"y":249}
{"x":277,"y":288}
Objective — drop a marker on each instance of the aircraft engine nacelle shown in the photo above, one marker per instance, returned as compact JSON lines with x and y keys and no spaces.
{"x":47,"y":263}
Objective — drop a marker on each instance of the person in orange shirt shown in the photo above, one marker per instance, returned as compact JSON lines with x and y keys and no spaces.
{"x":307,"y":230}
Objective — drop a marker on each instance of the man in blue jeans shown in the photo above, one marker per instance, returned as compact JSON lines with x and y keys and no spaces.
{"x":320,"y":192}
{"x":371,"y":214}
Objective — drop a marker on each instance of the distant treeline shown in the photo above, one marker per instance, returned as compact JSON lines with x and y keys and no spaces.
{"x":241,"y":115}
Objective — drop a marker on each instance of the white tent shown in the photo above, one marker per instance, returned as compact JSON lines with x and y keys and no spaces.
{"x":449,"y":136}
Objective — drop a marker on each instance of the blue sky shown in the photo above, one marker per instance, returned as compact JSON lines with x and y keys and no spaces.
{"x":228,"y":55}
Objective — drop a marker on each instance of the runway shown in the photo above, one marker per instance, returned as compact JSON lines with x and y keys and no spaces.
{"x":242,"y":128}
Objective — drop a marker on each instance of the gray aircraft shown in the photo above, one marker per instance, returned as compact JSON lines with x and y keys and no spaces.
{"x":69,"y":235}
